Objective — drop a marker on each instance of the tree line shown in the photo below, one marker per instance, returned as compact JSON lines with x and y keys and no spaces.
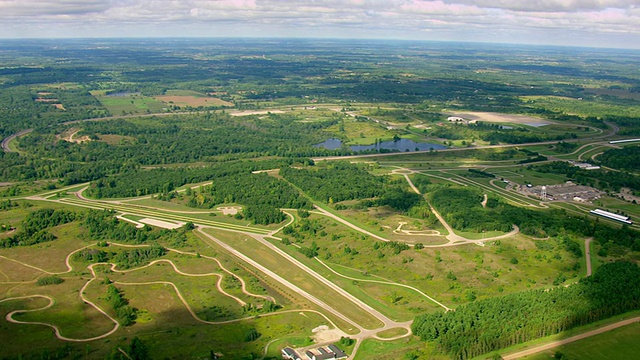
{"x":491,"y":324}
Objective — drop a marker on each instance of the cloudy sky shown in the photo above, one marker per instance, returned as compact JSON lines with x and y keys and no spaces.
{"x":598,"y":23}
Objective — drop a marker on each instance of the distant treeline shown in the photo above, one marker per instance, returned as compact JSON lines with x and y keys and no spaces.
{"x":495,"y":323}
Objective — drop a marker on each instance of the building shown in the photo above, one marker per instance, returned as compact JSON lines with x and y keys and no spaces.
{"x":457,"y":119}
{"x":339,"y":353}
{"x":290,"y":354}
{"x":586,"y":166}
{"x":331,"y":352}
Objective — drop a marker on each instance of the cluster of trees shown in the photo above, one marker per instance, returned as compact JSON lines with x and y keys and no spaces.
{"x":124,"y":259}
{"x":521,"y":136}
{"x":399,"y":199}
{"x":49,"y":280}
{"x":137,"y":257}
{"x":135,"y":350}
{"x":602,"y":179}
{"x":487,"y":325}
{"x":126,"y":314}
{"x":462,"y":209}
{"x":480,"y":173}
{"x":103,"y":225}
{"x":261,"y":195}
{"x":335,"y":182}
{"x":396,"y":247}
{"x":34,"y":227}
{"x":305,"y":227}
{"x":627,"y":158}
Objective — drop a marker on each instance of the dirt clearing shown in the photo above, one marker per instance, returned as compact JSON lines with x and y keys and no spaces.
{"x":194,"y":101}
{"x":503,"y":118}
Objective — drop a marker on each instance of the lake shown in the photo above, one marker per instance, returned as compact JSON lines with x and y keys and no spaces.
{"x":401,"y":145}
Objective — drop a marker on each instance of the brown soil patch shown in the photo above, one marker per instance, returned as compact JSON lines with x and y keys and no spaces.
{"x":501,"y":118}
{"x":71,"y":136}
{"x":193,"y":101}
{"x":46,"y":100}
{"x":59,"y":106}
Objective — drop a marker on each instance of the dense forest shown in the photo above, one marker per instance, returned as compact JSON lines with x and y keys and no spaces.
{"x":491,"y":324}
{"x":335,"y":182}
{"x":137,"y":182}
{"x":261,"y":195}
{"x":627,"y":158}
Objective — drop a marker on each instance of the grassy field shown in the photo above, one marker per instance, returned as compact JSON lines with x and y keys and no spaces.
{"x":361,"y":133}
{"x":258,"y":252}
{"x":129,"y":104}
{"x":160,"y":309}
{"x":396,"y":302}
{"x":408,"y":348}
{"x":481,"y":271}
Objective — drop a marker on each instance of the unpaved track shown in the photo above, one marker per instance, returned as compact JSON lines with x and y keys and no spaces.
{"x":554,"y":344}
{"x":56,"y":331}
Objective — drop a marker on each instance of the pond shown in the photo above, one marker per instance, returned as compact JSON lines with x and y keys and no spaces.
{"x":401,"y":145}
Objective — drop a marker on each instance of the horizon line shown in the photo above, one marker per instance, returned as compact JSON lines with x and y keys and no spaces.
{"x":361,"y":39}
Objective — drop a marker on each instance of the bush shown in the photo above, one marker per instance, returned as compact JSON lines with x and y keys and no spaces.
{"x":50,"y":280}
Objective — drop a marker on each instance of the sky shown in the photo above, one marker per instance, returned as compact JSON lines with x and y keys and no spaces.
{"x":592,"y":23}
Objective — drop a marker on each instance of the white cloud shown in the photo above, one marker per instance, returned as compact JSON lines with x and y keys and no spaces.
{"x":595,"y":22}
{"x":549,"y":5}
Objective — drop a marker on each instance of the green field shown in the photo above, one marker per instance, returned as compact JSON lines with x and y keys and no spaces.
{"x":129,"y":104}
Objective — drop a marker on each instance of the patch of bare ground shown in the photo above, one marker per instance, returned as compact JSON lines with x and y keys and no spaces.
{"x":194,"y":101}
{"x":253,"y":112}
{"x":502,"y":118}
